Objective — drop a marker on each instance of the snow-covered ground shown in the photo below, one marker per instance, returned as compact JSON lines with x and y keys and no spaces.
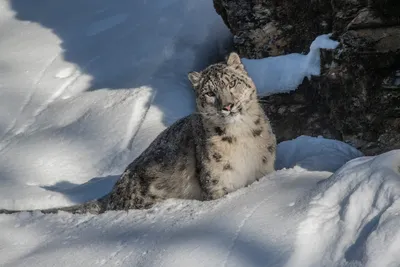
{"x":85,"y":86}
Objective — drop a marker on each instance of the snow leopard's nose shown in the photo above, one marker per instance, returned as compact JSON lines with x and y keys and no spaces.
{"x":228,"y":107}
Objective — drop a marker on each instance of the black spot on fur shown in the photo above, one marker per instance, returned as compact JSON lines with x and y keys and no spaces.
{"x":182,"y":167}
{"x":228,"y":139}
{"x":257,"y":121}
{"x":217,"y":157}
{"x":264,"y":159}
{"x":205,"y":178}
{"x":219,"y":130}
{"x":138,"y":201}
{"x":144,"y":182}
{"x":256,"y":132}
{"x":227,"y":167}
{"x":148,"y":205}
{"x":271,"y":149}
{"x":144,"y":189}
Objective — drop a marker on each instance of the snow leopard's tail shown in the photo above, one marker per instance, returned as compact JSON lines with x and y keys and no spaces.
{"x":94,"y":207}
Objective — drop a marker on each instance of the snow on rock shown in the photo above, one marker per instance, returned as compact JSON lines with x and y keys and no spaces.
{"x":354,"y":217}
{"x":285,"y":73}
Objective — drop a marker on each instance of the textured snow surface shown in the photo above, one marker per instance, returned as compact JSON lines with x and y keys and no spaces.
{"x":85,"y":86}
{"x":353,"y":217}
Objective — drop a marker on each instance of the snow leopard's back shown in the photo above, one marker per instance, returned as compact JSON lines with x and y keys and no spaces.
{"x":166,"y":169}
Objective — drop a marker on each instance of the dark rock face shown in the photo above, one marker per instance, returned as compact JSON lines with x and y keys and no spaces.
{"x":273,"y":27}
{"x":292,"y":115}
{"x":357,"y":97}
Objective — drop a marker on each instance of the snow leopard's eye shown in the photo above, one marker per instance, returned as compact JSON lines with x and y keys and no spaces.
{"x":232,"y":84}
{"x":210,"y":94}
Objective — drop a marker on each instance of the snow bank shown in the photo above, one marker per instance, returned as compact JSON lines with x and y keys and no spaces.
{"x":350,"y":218}
{"x":285,"y":73}
{"x":354,"y":217}
{"x":254,"y":226}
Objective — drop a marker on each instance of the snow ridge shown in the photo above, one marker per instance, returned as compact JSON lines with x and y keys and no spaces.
{"x":351,"y":216}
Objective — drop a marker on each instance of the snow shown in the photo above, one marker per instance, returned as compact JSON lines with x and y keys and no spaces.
{"x":314,"y":154}
{"x":354,"y":216}
{"x":85,"y":86}
{"x":251,"y":227}
{"x":285,"y":73}
{"x":293,"y":215}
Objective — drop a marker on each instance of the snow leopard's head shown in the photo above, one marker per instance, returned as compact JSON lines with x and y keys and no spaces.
{"x":224,"y":91}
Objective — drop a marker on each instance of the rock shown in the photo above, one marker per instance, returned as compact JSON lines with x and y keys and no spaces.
{"x":291,"y":114}
{"x":357,"y":97}
{"x":269,"y":28}
{"x":361,"y":85}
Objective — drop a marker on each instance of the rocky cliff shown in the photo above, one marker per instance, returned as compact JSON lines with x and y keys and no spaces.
{"x":357,"y":97}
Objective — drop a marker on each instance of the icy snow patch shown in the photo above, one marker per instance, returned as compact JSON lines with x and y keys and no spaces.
{"x":285,"y":73}
{"x":354,"y":217}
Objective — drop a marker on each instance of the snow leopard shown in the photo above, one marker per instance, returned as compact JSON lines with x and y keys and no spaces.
{"x":227,"y":144}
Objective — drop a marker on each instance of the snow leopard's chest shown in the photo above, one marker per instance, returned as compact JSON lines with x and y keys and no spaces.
{"x":246,"y":158}
{"x":242,"y":159}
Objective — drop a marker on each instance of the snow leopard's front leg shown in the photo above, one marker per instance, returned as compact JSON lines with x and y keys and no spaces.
{"x":211,"y":185}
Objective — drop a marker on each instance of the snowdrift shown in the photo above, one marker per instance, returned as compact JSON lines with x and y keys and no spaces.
{"x":353,"y":216}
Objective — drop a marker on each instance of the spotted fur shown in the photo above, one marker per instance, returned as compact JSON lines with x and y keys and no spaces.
{"x":225,"y":145}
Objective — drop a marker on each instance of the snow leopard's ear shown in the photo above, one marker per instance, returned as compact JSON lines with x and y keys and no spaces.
{"x":194,"y":78}
{"x":234,"y":61}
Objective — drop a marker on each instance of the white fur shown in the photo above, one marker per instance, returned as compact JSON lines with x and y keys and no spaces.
{"x":245,"y":154}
